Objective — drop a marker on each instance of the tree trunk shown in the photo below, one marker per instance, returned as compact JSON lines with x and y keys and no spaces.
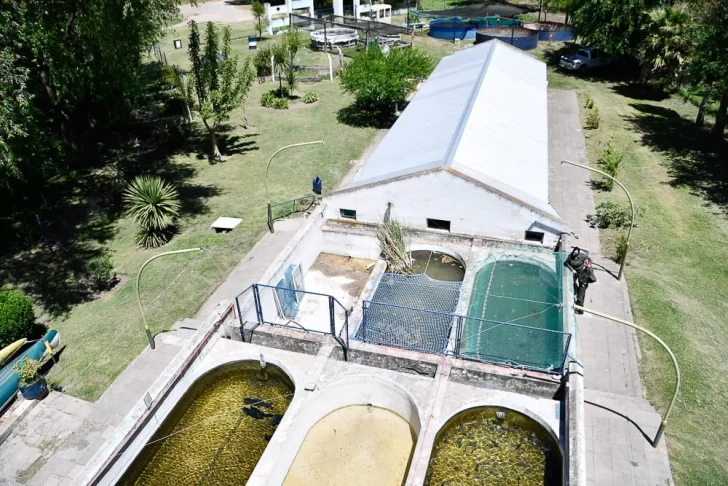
{"x":700,"y":119}
{"x":719,"y":126}
{"x":214,"y":151}
{"x":188,"y":112}
{"x":245,"y":118}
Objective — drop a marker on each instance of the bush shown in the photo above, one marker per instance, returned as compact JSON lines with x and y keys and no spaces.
{"x":167,"y":76}
{"x":100,"y":271}
{"x":267,"y":99}
{"x":27,"y":370}
{"x":588,"y":103}
{"x":16,"y":317}
{"x":620,"y":248}
{"x":611,"y":162}
{"x":593,"y":119}
{"x":280,"y":104}
{"x":261,"y":62}
{"x":310,"y":97}
{"x":153,"y":205}
{"x":609,"y":215}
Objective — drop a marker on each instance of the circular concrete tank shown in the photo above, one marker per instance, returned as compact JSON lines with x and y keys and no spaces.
{"x":524,"y":39}
{"x":552,"y":31}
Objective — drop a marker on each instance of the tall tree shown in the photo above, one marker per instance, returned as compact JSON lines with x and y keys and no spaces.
{"x":69,"y":71}
{"x":710,"y":62}
{"x":614,"y":26}
{"x":219,"y":86}
{"x":667,"y":47}
{"x":259,"y":15}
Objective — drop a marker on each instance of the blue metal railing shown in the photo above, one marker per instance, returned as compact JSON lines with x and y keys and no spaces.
{"x":341,"y":336}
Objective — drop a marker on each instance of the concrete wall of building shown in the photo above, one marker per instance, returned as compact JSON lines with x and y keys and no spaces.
{"x":470,"y":208}
{"x":303,"y":249}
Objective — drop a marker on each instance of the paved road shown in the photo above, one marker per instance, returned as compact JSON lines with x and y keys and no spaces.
{"x":617,"y":415}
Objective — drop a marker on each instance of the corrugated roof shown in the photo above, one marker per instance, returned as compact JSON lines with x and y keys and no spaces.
{"x":483,"y":113}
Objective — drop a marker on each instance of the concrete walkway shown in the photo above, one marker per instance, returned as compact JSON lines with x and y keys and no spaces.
{"x":52,"y":443}
{"x":619,"y":422}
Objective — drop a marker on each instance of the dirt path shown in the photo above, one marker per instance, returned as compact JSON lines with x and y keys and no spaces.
{"x":220,"y":11}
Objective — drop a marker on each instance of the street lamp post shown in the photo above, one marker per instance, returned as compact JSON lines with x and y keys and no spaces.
{"x":631,"y":204}
{"x":139,"y":297}
{"x":663,"y":422}
{"x":267,"y":167}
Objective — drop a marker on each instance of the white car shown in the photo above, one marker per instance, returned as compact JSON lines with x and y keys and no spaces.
{"x":584,"y":59}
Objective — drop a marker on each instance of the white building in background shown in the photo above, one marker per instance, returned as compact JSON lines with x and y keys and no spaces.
{"x":469,"y":154}
{"x":277,"y":16}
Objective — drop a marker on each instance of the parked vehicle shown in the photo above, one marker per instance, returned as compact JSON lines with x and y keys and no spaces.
{"x":586,"y":58}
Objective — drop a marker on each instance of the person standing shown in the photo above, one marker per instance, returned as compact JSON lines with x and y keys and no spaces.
{"x":575,"y":263}
{"x":575,"y":260}
{"x":583,"y":279}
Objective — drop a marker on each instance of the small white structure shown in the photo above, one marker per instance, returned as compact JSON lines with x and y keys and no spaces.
{"x":469,"y":155}
{"x":378,"y":12}
{"x":277,"y":16}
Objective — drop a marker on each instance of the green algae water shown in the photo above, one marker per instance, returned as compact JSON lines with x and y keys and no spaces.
{"x":219,"y":429}
{"x":437,"y":265}
{"x":496,"y":447}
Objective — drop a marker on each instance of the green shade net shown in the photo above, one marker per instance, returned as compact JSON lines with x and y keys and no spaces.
{"x":513,"y":289}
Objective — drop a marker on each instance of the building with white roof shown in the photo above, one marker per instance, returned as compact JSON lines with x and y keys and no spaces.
{"x":468,"y":155}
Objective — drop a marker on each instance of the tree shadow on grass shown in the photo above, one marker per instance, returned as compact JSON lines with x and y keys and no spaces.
{"x":641,"y":91}
{"x":228,"y":143}
{"x":356,"y":116}
{"x":694,"y":159}
{"x":72,"y":216}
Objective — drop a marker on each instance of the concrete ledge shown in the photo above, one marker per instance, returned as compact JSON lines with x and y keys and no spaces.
{"x":289,"y":339}
{"x":495,"y":377}
{"x":14,"y":414}
{"x":575,"y":458}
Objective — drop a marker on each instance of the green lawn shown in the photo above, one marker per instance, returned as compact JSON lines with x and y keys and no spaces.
{"x":678,"y":268}
{"x":105,"y":335}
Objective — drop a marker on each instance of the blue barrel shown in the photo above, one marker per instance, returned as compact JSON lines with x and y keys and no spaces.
{"x":252,"y":42}
{"x":317,"y":185}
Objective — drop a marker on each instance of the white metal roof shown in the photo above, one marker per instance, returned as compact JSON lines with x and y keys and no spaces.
{"x":482,"y":113}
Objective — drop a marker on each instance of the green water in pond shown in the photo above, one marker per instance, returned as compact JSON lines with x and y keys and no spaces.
{"x":495,"y":447}
{"x":437,"y":265}
{"x":221,"y":427}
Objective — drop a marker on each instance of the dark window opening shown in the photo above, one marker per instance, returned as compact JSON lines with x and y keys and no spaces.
{"x":438,"y":224}
{"x":347,"y":213}
{"x":534,"y":236}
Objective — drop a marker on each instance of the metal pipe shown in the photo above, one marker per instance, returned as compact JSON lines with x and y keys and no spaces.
{"x":139,"y":297}
{"x":663,"y":423}
{"x":276,"y":153}
{"x":631,"y":203}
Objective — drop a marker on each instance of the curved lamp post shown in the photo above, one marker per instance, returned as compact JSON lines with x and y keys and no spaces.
{"x":281,"y":150}
{"x":631,"y":203}
{"x":139,"y":297}
{"x":663,"y":423}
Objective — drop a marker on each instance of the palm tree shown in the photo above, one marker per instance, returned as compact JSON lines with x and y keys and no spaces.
{"x":667,"y":47}
{"x":153,"y":204}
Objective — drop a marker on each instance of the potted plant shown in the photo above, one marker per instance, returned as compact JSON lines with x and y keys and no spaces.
{"x":32,"y":385}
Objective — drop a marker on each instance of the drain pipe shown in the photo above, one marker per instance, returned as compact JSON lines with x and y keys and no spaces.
{"x":663,"y":423}
{"x":139,"y":297}
{"x":631,"y":204}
